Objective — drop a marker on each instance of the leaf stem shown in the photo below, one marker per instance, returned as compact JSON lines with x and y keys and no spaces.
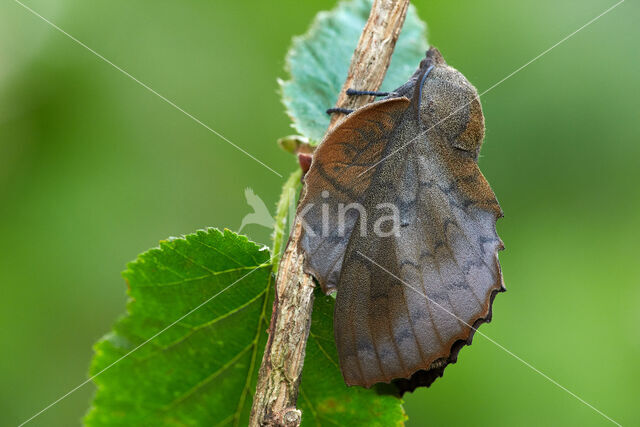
{"x":286,"y":208}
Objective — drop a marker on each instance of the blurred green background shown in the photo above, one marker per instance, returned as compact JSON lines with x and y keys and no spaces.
{"x":95,"y":169}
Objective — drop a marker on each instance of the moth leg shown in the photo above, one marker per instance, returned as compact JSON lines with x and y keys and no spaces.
{"x":339,"y":110}
{"x":354,"y":92}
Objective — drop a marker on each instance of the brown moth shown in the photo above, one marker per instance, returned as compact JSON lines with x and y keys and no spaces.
{"x":398,"y":218}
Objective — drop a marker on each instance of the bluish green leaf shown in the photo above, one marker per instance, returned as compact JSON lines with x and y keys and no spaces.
{"x":318,"y":62}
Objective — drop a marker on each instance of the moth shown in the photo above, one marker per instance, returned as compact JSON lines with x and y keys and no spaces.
{"x":398,"y":219}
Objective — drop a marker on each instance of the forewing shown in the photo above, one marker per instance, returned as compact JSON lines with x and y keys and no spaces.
{"x":407,"y":303}
{"x":340,"y":174}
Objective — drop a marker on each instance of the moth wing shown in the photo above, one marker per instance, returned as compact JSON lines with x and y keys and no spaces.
{"x":340,"y":173}
{"x":407,"y":303}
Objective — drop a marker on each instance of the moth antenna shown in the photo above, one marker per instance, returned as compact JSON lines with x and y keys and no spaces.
{"x":422,"y":80}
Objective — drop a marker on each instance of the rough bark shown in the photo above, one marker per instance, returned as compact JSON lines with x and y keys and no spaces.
{"x":279,"y":376}
{"x":274,"y":403}
{"x":373,"y":54}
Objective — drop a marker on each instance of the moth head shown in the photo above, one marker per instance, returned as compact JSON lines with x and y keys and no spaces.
{"x":449,"y":105}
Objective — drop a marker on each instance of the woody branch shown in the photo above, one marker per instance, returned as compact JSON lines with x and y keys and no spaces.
{"x":274,"y":403}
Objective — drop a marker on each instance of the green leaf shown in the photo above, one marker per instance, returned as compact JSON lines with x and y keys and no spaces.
{"x":324,"y":399}
{"x":203,"y":369}
{"x":318,"y":62}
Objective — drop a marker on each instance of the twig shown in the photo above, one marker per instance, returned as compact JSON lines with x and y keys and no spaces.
{"x":274,"y":403}
{"x":373,"y":54}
